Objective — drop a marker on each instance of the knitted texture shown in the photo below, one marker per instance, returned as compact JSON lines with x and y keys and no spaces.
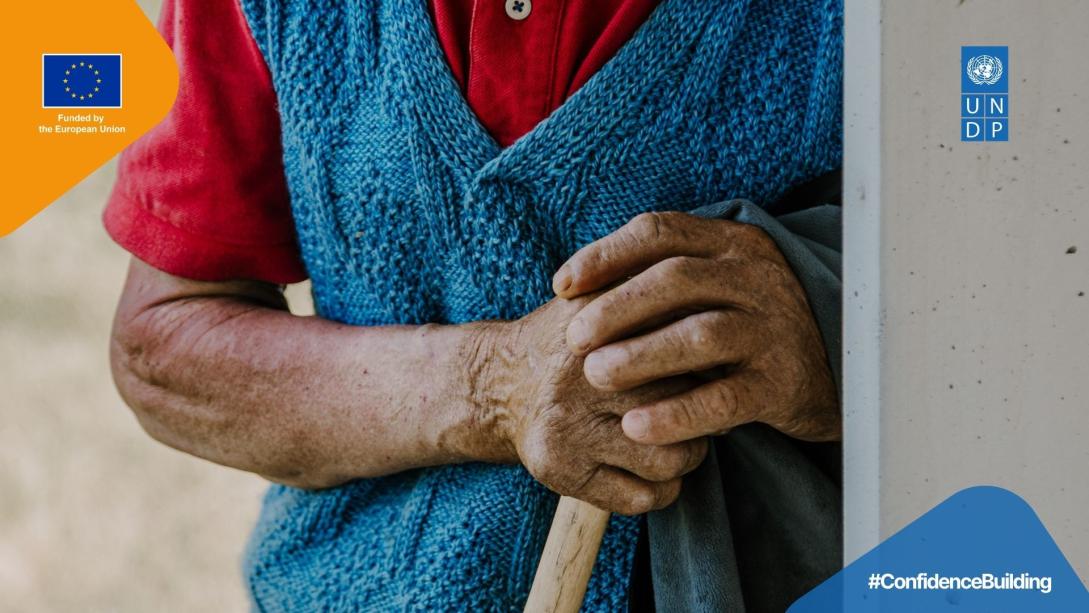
{"x":408,"y":212}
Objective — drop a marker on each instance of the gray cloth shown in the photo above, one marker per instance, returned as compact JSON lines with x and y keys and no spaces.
{"x":760,"y":523}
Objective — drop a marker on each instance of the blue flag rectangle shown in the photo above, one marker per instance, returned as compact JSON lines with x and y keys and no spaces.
{"x":81,"y":81}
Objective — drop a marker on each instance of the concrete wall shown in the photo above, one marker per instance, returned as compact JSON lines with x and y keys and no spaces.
{"x":967,"y":330}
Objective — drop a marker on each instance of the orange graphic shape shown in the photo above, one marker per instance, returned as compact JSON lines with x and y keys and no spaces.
{"x":39,"y":167}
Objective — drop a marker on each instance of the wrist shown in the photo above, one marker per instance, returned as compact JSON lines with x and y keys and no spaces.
{"x":488,"y":366}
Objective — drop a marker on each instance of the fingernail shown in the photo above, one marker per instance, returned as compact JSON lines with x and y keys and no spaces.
{"x":636,"y":424}
{"x":578,"y":334}
{"x":561,"y":282}
{"x":595,"y":369}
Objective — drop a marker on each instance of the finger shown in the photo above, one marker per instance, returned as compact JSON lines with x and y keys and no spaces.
{"x":646,"y":239}
{"x":621,"y":492}
{"x":712,"y":408}
{"x":697,"y":342}
{"x":672,"y":287}
{"x":655,"y":463}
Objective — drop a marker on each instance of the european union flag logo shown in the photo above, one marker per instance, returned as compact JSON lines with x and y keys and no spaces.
{"x":81,"y":81}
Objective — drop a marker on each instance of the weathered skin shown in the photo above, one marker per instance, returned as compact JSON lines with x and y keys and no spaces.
{"x":595,"y":393}
{"x":746,"y":311}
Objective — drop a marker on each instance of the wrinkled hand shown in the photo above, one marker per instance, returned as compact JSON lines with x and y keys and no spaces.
{"x":704,"y":296}
{"x":566,"y":432}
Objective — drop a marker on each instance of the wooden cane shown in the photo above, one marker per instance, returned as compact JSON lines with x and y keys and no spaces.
{"x":568,"y":558}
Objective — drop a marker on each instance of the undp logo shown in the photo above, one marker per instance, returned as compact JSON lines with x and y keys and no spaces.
{"x":985,"y":97}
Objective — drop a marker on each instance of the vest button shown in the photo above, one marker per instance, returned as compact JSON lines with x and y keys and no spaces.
{"x":519,"y":9}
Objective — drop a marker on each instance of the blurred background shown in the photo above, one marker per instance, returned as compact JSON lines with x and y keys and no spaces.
{"x":94,"y":515}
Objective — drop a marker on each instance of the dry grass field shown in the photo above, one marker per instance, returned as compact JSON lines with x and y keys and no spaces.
{"x":94,"y":515}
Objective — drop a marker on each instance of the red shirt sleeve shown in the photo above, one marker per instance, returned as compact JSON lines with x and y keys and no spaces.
{"x":203,"y":195}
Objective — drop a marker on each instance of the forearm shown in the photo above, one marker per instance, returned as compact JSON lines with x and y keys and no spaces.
{"x":238,"y":380}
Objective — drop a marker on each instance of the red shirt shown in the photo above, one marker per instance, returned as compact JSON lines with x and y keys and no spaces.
{"x":203,"y":194}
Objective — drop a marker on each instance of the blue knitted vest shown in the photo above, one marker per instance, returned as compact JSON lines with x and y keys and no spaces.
{"x":408,"y":212}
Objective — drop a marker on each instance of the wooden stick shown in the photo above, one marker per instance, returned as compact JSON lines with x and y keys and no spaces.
{"x":568,"y":558}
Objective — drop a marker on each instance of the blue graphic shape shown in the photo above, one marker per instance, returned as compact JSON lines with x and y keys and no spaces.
{"x":998,"y":105}
{"x":971,"y":130}
{"x":978,"y":530}
{"x":81,"y":81}
{"x":997,"y":130}
{"x":989,"y":65}
{"x":972,"y":105}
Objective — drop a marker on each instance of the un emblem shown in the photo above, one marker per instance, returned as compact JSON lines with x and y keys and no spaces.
{"x":984,"y":69}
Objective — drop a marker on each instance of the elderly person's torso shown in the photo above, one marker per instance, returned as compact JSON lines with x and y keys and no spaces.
{"x":408,"y":212}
